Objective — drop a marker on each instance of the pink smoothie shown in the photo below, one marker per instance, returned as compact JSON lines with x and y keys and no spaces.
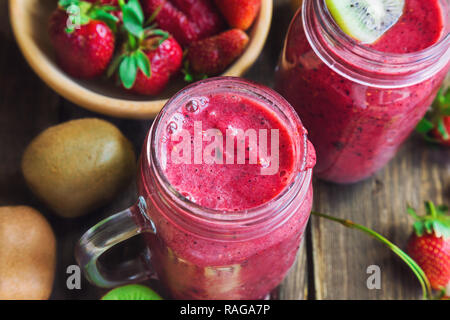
{"x":355,"y":128}
{"x":231,"y":186}
{"x":192,"y":266}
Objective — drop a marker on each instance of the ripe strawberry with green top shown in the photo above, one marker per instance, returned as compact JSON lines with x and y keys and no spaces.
{"x":239,"y":13}
{"x":165,"y":60}
{"x":150,"y":56}
{"x":443,"y":134}
{"x":429,"y":245}
{"x":213,"y":55}
{"x":435,"y":127}
{"x":84,"y":43}
{"x":186,"y":20}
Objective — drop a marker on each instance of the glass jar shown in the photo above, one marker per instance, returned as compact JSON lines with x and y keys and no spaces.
{"x":357,"y":103}
{"x":201,"y":253}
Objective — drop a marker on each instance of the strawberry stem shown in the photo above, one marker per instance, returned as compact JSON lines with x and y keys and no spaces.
{"x":417,"y":270}
{"x":432,"y":209}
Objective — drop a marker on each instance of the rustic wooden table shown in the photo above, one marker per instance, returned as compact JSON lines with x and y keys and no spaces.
{"x":333,"y":260}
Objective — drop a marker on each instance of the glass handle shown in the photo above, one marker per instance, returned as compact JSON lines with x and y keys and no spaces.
{"x":105,"y":235}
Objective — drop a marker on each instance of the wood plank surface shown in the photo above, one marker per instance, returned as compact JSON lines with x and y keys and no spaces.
{"x":333,"y":260}
{"x":419,"y":172}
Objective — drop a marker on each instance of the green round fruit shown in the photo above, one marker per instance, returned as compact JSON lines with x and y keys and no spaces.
{"x":132,"y":292}
{"x":78,"y":166}
{"x":366,"y":20}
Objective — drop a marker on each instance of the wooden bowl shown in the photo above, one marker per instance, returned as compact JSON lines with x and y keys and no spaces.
{"x":29,"y":20}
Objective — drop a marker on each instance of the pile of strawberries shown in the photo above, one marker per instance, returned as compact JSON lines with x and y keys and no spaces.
{"x":144,"y":43}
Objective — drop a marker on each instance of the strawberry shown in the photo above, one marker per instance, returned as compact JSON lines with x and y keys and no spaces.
{"x":165,"y":61}
{"x":84,"y":47}
{"x":435,"y":126}
{"x":213,"y":55}
{"x":150,"y":56}
{"x":186,"y":20}
{"x":239,"y":13}
{"x":429,"y":245}
{"x":115,"y":12}
{"x":442,"y":132}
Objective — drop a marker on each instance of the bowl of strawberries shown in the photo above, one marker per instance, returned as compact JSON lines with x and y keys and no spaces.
{"x":126,"y":58}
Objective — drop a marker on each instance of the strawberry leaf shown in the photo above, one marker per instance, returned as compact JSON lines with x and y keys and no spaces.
{"x":435,"y":221}
{"x":419,"y":228}
{"x":68,"y":3}
{"x":424,"y":126}
{"x":143,"y":63}
{"x":428,"y":226}
{"x":442,"y":129}
{"x":109,"y":8}
{"x":133,"y":18}
{"x":114,"y":65}
{"x":137,"y":9}
{"x":412,"y":212}
{"x":108,"y":18}
{"x":128,"y":71}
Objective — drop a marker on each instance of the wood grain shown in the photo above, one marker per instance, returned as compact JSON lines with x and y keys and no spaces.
{"x":419,"y":172}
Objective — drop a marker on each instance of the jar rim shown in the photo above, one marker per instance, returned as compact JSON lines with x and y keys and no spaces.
{"x":251,"y":216}
{"x":373,"y":68}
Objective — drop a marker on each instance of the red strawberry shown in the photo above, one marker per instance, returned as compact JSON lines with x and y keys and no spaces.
{"x":186,"y":20}
{"x":239,"y":13}
{"x":435,"y":126}
{"x":115,"y":3}
{"x":83,"y":52}
{"x":165,"y":61}
{"x":213,"y":55}
{"x":149,"y":57}
{"x":429,"y":246}
{"x":439,"y":133}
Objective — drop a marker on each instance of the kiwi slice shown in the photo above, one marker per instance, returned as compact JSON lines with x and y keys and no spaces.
{"x":132,"y":292}
{"x":366,"y":20}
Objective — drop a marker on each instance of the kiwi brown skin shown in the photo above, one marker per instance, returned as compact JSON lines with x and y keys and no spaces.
{"x":78,"y":166}
{"x":27,"y":254}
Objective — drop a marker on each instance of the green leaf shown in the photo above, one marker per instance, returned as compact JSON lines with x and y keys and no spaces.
{"x":143,"y":63}
{"x":132,"y":23}
{"x":128,"y":71}
{"x":114,"y":65}
{"x":109,"y":8}
{"x":133,"y":18}
{"x":136,"y":7}
{"x":442,"y":129}
{"x":419,"y":228}
{"x":428,"y":226}
{"x":109,"y":19}
{"x":424,"y":126}
{"x":68,"y":3}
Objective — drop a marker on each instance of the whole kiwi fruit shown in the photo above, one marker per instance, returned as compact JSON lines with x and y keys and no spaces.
{"x":78,"y":166}
{"x":132,"y":292}
{"x":27,"y":254}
